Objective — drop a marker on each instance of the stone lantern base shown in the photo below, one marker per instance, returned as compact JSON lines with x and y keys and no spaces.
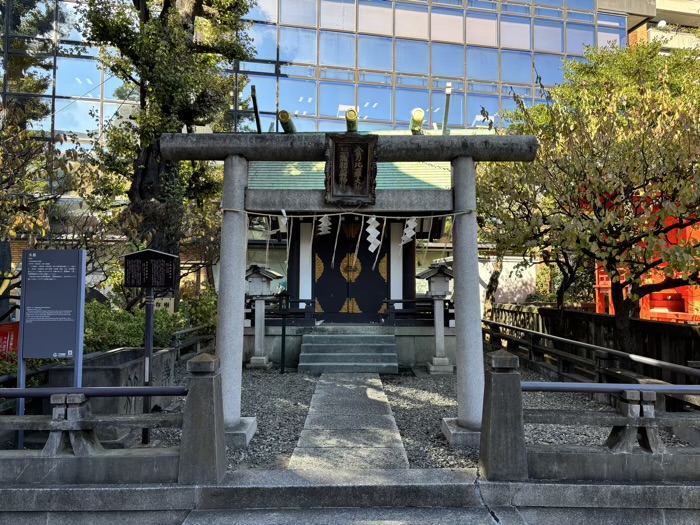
{"x":440,"y":365}
{"x":259,"y":362}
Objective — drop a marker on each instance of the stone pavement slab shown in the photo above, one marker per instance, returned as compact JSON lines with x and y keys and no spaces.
{"x":350,"y":409}
{"x":349,"y":438}
{"x":348,"y":457}
{"x":349,"y":426}
{"x":358,"y":421}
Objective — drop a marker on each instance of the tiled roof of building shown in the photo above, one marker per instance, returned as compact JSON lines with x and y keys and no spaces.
{"x":390,"y":175}
{"x":311,"y":176}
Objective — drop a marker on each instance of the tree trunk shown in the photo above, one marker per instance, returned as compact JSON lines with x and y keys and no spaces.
{"x":624,"y":309}
{"x":5,"y":267}
{"x":492,"y":288}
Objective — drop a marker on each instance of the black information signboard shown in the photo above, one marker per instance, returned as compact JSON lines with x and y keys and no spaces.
{"x":53,"y":297}
{"x":150,"y":269}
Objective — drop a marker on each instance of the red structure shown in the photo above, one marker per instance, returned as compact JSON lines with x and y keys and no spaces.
{"x":676,"y":305}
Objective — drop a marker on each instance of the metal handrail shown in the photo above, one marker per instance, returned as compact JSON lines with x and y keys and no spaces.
{"x":102,"y":391}
{"x":606,"y":388}
{"x":632,"y":357}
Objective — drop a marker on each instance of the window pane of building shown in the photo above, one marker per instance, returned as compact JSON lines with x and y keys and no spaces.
{"x":298,"y":12}
{"x":608,"y":36}
{"x":515,"y":32}
{"x":411,"y":20}
{"x":375,"y":53}
{"x":268,"y":123}
{"x":412,"y":57}
{"x":458,"y":3}
{"x":265,"y":91}
{"x":29,"y":74}
{"x":375,"y":16}
{"x":612,"y":20}
{"x":36,"y":110}
{"x":35,"y":19}
{"x":577,"y":37}
{"x":448,"y":60}
{"x":338,"y":14}
{"x":68,"y":22}
{"x":409,"y":99}
{"x":375,"y":103}
{"x":113,"y":113}
{"x":263,"y":11}
{"x":482,"y":63}
{"x":514,"y":8}
{"x":481,"y":4}
{"x":549,"y":36}
{"x":456,"y":116}
{"x":77,"y":77}
{"x":115,"y":89}
{"x":338,"y":74}
{"x":265,"y":41}
{"x":78,"y":116}
{"x":447,"y":25}
{"x":475,"y":103}
{"x":482,"y":28}
{"x":298,"y":97}
{"x":516,"y":67}
{"x":550,"y":3}
{"x":305,"y":125}
{"x":549,"y":68}
{"x":297,"y":45}
{"x":335,"y":99}
{"x":581,"y":5}
{"x":332,"y":126}
{"x":337,"y":49}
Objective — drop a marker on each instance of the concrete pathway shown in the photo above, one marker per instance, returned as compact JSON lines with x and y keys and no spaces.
{"x":349,"y":426}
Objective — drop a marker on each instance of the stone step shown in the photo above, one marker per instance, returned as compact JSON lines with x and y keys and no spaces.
{"x":332,"y":367}
{"x":362,"y":348}
{"x":356,"y":329}
{"x":342,"y":338}
{"x":348,"y":516}
{"x":305,"y":358}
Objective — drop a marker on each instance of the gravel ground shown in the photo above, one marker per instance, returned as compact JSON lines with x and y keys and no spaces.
{"x":281,"y":402}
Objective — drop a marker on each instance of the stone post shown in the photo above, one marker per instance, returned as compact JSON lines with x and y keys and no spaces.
{"x":469,"y":349}
{"x":231,"y":305}
{"x":203,"y":446}
{"x":259,"y":359}
{"x":440,"y":363}
{"x":502,"y":455}
{"x":604,"y":361}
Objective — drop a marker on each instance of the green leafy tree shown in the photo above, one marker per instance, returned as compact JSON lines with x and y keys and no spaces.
{"x":174,"y":55}
{"x":617,"y":180}
{"x":28,"y":189}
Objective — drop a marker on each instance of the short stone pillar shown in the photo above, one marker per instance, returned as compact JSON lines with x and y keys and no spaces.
{"x":203,"y":446}
{"x":503,"y":456}
{"x":259,"y":278}
{"x":438,"y":276}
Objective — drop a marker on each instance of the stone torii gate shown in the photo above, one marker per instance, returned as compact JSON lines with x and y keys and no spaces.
{"x":236,"y":150}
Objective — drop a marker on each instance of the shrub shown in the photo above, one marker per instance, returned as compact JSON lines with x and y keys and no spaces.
{"x":200,"y":310}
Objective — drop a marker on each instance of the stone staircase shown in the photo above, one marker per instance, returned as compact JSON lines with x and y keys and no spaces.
{"x":348,"y":351}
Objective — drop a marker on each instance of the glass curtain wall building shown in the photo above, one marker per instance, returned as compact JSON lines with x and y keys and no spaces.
{"x":318,"y":58}
{"x":50,"y":75}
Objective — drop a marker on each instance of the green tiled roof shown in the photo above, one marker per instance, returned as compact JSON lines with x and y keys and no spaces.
{"x":390,"y":175}
{"x":311,"y":176}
